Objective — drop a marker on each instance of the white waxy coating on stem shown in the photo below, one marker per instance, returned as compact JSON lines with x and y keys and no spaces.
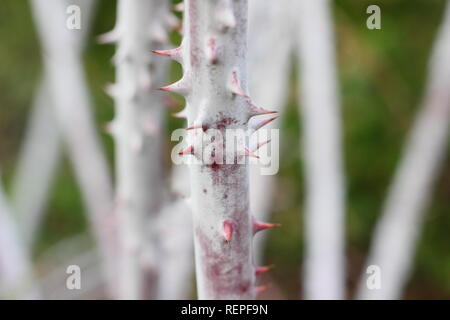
{"x":324,"y":217}
{"x":215,"y":87}
{"x":16,"y":270}
{"x":138,"y":126}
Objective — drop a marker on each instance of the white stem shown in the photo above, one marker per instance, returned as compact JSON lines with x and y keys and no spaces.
{"x":213,"y":55}
{"x":324,"y":212}
{"x":37,"y":165}
{"x":223,"y":266}
{"x":40,"y":153}
{"x":177,"y":246}
{"x":176,"y":257}
{"x":269,"y":58}
{"x":16,"y":271}
{"x":137,"y":129}
{"x":398,"y":230}
{"x":70,"y":98}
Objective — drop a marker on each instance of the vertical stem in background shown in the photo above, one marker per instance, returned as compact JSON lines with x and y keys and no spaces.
{"x":324,"y":212}
{"x":397,"y":232}
{"x":70,"y":98}
{"x":137,"y":130}
{"x":224,"y":267}
{"x":40,"y":153}
{"x":16,"y":271}
{"x":267,"y":64}
{"x":213,"y":55}
{"x":37,"y":164}
{"x":177,"y":245}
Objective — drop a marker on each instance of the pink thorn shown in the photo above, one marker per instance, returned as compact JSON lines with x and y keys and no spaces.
{"x":188,"y":150}
{"x":195,"y":126}
{"x":250,"y":154}
{"x":172,"y":53}
{"x":181,"y":114}
{"x":261,"y":289}
{"x":260,"y":144}
{"x":198,"y":126}
{"x":227,"y":230}
{"x":261,"y":270}
{"x":167,"y":88}
{"x":264,"y":122}
{"x":259,"y":226}
{"x":165,"y":53}
{"x":178,"y":87}
{"x":235,"y":86}
{"x":260,"y":111}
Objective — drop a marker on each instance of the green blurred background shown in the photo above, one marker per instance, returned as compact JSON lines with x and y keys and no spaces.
{"x":382,"y":77}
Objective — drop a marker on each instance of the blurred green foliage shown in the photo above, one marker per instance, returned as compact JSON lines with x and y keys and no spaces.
{"x":382,"y":76}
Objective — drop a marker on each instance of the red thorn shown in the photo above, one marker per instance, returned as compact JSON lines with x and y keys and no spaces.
{"x":227,"y":230}
{"x":167,"y":88}
{"x":174,"y":54}
{"x":171,"y":88}
{"x":259,"y":226}
{"x":256,"y":111}
{"x":198,"y":126}
{"x":262,"y":123}
{"x":250,"y":154}
{"x":188,"y":150}
{"x":261,"y":289}
{"x":195,"y":126}
{"x":266,"y":111}
{"x":180,"y":87}
{"x":165,"y":53}
{"x":261,"y":270}
{"x":260,"y":144}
